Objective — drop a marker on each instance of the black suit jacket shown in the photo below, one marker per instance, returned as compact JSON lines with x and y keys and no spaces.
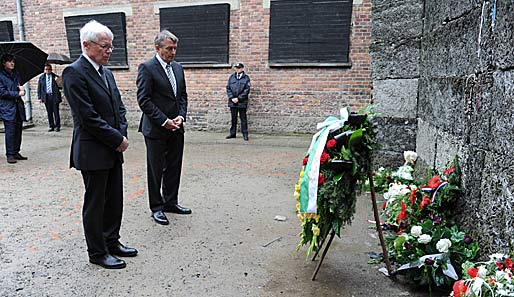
{"x":41,"y":88}
{"x":98,"y":116}
{"x":156,"y":99}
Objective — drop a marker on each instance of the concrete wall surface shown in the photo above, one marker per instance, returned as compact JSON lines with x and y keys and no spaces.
{"x":464,"y":100}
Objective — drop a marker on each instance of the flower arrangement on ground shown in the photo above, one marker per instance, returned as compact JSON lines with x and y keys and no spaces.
{"x":486,"y":279}
{"x":338,"y":158}
{"x":423,"y":239}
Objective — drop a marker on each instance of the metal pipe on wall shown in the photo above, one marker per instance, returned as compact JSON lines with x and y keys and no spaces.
{"x":21,"y":30}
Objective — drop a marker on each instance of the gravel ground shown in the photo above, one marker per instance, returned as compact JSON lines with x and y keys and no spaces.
{"x":235,"y":190}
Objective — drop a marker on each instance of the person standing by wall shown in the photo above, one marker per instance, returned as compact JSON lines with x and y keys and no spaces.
{"x":162,"y":96}
{"x":238,"y":88}
{"x":99,"y":140}
{"x":48,"y":93}
{"x":12,"y":108}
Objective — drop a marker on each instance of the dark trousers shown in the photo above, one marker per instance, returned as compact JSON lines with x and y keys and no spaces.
{"x":164,"y":166}
{"x":13,"y":135}
{"x":242,"y":116}
{"x":103,"y":208}
{"x":52,"y":110}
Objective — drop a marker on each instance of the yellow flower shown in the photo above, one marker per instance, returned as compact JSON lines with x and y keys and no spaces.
{"x":316,"y":218}
{"x":297,"y":196}
{"x":297,"y":206}
{"x":297,"y":188}
{"x":315,"y":229}
{"x":301,"y":173}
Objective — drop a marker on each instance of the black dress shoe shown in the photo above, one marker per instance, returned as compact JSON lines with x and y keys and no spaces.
{"x":245,"y":138}
{"x":18,"y":156}
{"x":122,"y":251}
{"x":51,"y":129}
{"x":177,"y":209}
{"x":11,"y":160}
{"x":57,"y":129}
{"x":108,"y":261}
{"x":230,"y":136}
{"x":160,"y":218}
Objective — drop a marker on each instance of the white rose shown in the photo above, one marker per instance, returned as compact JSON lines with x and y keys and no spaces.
{"x":424,"y":238}
{"x":410,"y":157}
{"x":416,"y":231}
{"x":443,"y":245}
{"x":482,"y":271}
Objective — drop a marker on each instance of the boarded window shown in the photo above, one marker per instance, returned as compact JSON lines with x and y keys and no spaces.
{"x":310,"y":31}
{"x":6,"y":32}
{"x":114,"y":21}
{"x":202,"y":31}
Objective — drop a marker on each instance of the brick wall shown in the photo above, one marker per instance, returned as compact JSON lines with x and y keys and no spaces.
{"x":282,"y":100}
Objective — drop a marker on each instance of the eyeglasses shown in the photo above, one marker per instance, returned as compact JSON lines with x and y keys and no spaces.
{"x":103,"y":46}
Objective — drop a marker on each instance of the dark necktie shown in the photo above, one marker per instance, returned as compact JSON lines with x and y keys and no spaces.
{"x":102,"y":74}
{"x":171,"y":78}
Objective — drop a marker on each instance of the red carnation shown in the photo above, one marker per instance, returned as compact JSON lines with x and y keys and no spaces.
{"x":403,"y":214}
{"x":305,"y":160}
{"x":435,"y":182}
{"x":459,"y":288}
{"x":321,"y":179}
{"x":331,"y":143}
{"x":412,"y":197}
{"x":449,"y":170}
{"x":426,"y":201}
{"x":473,"y":272}
{"x":324,"y":158}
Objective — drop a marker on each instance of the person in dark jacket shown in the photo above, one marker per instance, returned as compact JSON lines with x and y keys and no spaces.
{"x":48,"y":93}
{"x":238,"y":88}
{"x":12,"y":108}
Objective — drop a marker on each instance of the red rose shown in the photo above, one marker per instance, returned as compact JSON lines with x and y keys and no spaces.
{"x":459,"y":288}
{"x":473,"y":272}
{"x":509,"y":263}
{"x":324,"y":158}
{"x":305,"y":160}
{"x":331,"y":143}
{"x":500,"y":265}
{"x":491,"y":281}
{"x":321,"y":179}
{"x":384,"y":205}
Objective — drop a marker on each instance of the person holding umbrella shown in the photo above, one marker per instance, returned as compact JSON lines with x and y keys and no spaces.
{"x":48,"y":93}
{"x":12,"y":108}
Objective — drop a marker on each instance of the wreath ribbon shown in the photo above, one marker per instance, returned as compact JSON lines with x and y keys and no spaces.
{"x":309,"y":184}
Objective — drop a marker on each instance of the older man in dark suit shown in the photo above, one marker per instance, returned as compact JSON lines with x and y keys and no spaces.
{"x":162,"y":96}
{"x":99,"y":139}
{"x":48,"y":93}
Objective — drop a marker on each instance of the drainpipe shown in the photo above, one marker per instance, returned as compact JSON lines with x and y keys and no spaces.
{"x":21,"y":29}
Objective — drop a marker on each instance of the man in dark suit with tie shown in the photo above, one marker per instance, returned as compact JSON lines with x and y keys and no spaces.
{"x":48,"y":93}
{"x":99,"y":139}
{"x":162,"y":96}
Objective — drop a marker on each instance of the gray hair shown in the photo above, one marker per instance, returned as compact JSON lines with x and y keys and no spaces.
{"x":163,"y":35}
{"x":91,"y":30}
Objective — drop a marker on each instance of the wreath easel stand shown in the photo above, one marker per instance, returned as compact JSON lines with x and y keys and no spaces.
{"x":379,"y":231}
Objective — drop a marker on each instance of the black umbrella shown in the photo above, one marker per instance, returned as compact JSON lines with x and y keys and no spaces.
{"x":30,"y":60}
{"x":60,"y":59}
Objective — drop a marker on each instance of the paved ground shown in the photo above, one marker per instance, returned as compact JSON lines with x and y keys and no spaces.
{"x":235,"y":189}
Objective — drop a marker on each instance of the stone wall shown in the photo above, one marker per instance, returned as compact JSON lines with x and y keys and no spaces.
{"x":282,"y":100}
{"x":465,"y":102}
